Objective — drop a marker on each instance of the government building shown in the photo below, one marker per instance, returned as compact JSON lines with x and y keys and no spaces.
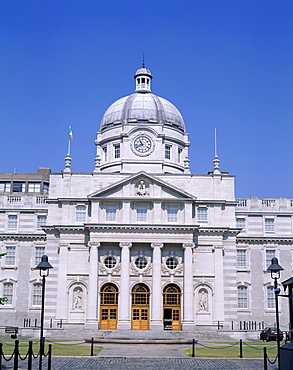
{"x":140,"y":243}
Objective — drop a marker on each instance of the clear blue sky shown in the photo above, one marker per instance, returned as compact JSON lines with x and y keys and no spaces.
{"x":223,"y":63}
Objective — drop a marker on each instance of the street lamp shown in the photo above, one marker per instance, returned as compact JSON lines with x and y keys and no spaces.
{"x":275,"y":270}
{"x":43,"y":268}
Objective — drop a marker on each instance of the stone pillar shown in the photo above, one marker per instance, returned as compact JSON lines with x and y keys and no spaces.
{"x":124,"y":321}
{"x":157,"y":302}
{"x":62,"y":294}
{"x":219,"y":284}
{"x":92,"y":304}
{"x":188,"y":297}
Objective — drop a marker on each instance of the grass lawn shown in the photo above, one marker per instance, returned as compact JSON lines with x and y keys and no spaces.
{"x":62,"y":349}
{"x":224,"y":350}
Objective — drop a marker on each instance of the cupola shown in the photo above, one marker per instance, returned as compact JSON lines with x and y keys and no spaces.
{"x":143,"y":78}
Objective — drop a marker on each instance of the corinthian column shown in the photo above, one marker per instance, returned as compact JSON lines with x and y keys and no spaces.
{"x":188,"y":297}
{"x":124,"y":304}
{"x":92,"y":305}
{"x":157,"y":308}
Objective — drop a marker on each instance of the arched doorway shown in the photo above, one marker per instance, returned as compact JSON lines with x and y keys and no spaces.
{"x":172,"y":307}
{"x":140,"y":307}
{"x":109,"y":307}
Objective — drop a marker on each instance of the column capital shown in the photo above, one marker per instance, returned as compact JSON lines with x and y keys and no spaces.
{"x":125,"y":244}
{"x":157,"y":245}
{"x":94,"y":244}
{"x":187,"y":245}
{"x":64,"y":245}
{"x":218,"y":246}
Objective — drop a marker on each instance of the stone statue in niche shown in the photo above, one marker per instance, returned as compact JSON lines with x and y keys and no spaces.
{"x":141,"y":188}
{"x":77,"y":299}
{"x":203,"y":300}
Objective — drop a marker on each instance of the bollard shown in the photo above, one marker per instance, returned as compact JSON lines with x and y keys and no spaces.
{"x":16,"y":353}
{"x":30,"y":355}
{"x":92,"y":347}
{"x":49,"y":356}
{"x":241,"y":353}
{"x":193,"y":347}
{"x":265,"y":364}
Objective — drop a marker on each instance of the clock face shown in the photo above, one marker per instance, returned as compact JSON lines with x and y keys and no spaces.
{"x":142,"y":145}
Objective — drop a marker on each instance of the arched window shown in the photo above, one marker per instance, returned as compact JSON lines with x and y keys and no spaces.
{"x":271,"y":297}
{"x":140,"y":295}
{"x":109,"y":295}
{"x":172,"y":296}
{"x":8,"y":292}
{"x":37,"y":294}
{"x":242,"y":297}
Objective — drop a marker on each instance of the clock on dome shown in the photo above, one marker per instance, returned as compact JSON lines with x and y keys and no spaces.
{"x":142,"y":145}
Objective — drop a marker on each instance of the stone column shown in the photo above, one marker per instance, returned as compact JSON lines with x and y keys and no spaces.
{"x":124,"y":321}
{"x":219,"y":284}
{"x":92,"y":304}
{"x":188,"y":297}
{"x":62,"y":296}
{"x":157,"y":302}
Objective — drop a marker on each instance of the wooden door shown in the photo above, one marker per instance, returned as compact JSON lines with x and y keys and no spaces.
{"x":140,"y":318}
{"x":108,"y":318}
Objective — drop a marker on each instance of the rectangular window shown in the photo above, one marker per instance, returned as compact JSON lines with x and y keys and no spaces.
{"x":39,"y":252}
{"x":269,"y":225}
{"x":80,"y":214}
{"x":241,"y":258}
{"x":242,"y":297}
{"x":10,"y":256}
{"x":105,"y":153}
{"x":202,"y":214}
{"x":37,"y":294}
{"x":19,"y":187}
{"x":8,"y":292}
{"x":240,"y":223}
{"x":5,"y":187}
{"x":111,"y":213}
{"x":179,"y":154}
{"x":117,"y":151}
{"x":168,"y":151}
{"x":34,"y":187}
{"x":269,"y":255}
{"x":46,"y":188}
{"x":172,"y":213}
{"x":141,"y":213}
{"x":12,"y":222}
{"x":41,"y":221}
{"x":271,"y":297}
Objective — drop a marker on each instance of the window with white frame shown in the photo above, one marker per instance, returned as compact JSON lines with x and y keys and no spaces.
{"x":46,"y":188}
{"x":41,"y":221}
{"x":202,"y":214}
{"x":80,"y":214}
{"x":271,"y":300}
{"x":19,"y":187}
{"x":39,"y":252}
{"x":240,"y":223}
{"x":241,"y":258}
{"x":242,"y":297}
{"x":141,"y":213}
{"x":269,"y":255}
{"x":12,"y":222}
{"x":116,"y":150}
{"x":5,"y":187}
{"x":10,"y":256}
{"x":111,"y":213}
{"x":172,"y":214}
{"x":269,"y":225}
{"x":8,"y":292}
{"x":37,"y":294}
{"x":34,"y":187}
{"x":168,"y":151}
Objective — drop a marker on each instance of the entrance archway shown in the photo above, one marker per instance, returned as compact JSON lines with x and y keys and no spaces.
{"x":109,"y":307}
{"x":140,"y":307}
{"x":172,"y":307}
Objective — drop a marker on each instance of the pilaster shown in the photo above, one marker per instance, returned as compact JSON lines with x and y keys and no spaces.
{"x":188,"y":296}
{"x":156,"y":302}
{"x":92,"y":310}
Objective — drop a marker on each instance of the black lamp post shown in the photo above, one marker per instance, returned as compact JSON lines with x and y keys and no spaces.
{"x":43,"y":268}
{"x":275,"y":270}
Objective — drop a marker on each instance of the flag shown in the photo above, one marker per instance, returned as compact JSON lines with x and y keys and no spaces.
{"x":70,"y":133}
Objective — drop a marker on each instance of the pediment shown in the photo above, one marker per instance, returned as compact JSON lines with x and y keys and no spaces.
{"x":140,"y":186}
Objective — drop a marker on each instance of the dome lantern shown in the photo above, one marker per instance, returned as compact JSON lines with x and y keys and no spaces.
{"x":143,"y":78}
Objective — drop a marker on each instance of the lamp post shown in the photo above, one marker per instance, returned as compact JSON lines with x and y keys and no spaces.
{"x":275,"y":270}
{"x":43,"y":268}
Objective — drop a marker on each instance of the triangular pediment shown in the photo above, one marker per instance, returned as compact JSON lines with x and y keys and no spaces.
{"x":142,"y":185}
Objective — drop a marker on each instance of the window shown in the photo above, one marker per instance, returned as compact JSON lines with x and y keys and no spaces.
{"x":10,"y":256}
{"x":111,"y":213}
{"x":271,"y":297}
{"x":172,"y":263}
{"x":12,"y":222}
{"x":39,"y":252}
{"x":46,"y":188}
{"x":241,"y":258}
{"x":179,"y":154}
{"x":117,"y":151}
{"x":110,"y":262}
{"x":8,"y":292}
{"x":269,"y":255}
{"x":172,"y":214}
{"x":105,"y":153}
{"x":242,"y":296}
{"x":41,"y":221}
{"x":168,"y":151}
{"x":5,"y":187}
{"x":269,"y":225}
{"x":141,"y":262}
{"x":141,"y":213}
{"x":19,"y":187}
{"x":202,"y":214}
{"x":37,"y":294}
{"x":240,"y":223}
{"x":34,"y":187}
{"x":80,"y":214}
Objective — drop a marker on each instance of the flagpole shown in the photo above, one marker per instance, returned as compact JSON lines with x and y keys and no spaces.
{"x":68,"y":147}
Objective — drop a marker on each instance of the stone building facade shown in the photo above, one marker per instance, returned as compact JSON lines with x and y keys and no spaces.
{"x":141,"y":243}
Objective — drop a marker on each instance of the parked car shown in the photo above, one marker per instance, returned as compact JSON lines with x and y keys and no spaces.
{"x":270,"y":334}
